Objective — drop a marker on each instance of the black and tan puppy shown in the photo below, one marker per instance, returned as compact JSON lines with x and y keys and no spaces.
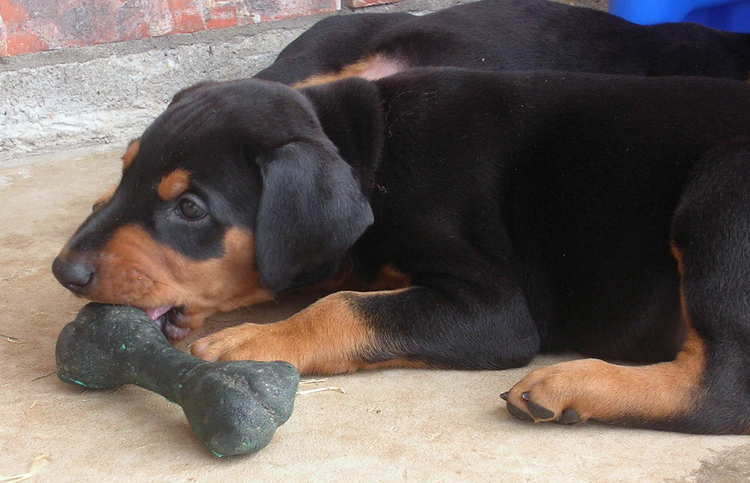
{"x":507,"y":35}
{"x":492,"y":215}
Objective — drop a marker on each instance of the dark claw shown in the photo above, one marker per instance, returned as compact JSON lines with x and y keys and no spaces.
{"x":504,"y":396}
{"x":539,"y":412}
{"x":517,"y":413}
{"x":569,"y":416}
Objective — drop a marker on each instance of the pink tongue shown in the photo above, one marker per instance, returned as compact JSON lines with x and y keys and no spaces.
{"x":154,"y":314}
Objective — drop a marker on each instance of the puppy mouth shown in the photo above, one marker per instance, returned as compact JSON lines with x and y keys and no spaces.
{"x":168,"y":318}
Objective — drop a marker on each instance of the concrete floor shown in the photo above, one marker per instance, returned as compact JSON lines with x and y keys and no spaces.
{"x":389,"y":426}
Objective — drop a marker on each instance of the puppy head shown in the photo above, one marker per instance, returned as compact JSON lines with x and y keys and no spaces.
{"x":232,"y":194}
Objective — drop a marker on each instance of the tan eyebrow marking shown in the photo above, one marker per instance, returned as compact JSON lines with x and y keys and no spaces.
{"x":174,"y":184}
{"x":130,"y":153}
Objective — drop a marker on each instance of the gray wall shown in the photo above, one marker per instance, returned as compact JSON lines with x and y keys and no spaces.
{"x":109,"y":93}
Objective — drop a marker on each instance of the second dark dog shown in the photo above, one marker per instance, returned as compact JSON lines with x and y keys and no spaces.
{"x":507,"y":35}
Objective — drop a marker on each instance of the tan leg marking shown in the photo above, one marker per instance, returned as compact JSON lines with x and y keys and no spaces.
{"x":677,"y":254}
{"x":130,"y":153}
{"x":607,"y":392}
{"x":370,"y":68}
{"x":595,"y":389}
{"x":388,"y":278}
{"x":328,"y":337}
{"x":173,"y":185}
{"x":396,"y":364}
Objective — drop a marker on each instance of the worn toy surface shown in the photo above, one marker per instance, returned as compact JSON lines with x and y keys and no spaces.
{"x":233,"y":407}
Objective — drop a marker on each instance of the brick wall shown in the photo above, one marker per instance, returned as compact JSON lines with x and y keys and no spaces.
{"x":28,"y":26}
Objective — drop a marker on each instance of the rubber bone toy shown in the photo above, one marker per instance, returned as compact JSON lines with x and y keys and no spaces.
{"x":233,"y":407}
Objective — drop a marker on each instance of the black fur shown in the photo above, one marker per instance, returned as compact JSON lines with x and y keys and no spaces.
{"x":712,"y":228}
{"x":515,"y":35}
{"x":329,"y":45}
{"x":534,"y":212}
{"x":311,"y":211}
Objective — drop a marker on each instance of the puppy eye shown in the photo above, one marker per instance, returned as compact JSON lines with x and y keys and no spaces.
{"x":191,"y":209}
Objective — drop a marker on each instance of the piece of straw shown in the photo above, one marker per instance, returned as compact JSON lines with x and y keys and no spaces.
{"x":37,"y":464}
{"x":321,"y":389}
{"x":312,"y":381}
{"x":43,"y":376}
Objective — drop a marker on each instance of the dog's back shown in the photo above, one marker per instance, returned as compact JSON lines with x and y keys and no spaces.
{"x":330,"y":45}
{"x":512,"y":35}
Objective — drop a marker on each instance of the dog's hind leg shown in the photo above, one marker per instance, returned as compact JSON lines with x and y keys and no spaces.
{"x":706,"y":389}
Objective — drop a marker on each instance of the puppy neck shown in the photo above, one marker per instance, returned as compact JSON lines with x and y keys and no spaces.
{"x":351,"y":114}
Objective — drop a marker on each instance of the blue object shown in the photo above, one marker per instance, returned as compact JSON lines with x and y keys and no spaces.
{"x":731,"y":15}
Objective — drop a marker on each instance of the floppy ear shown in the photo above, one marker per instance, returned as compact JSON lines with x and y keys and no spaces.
{"x":311,"y":212}
{"x":189,"y":90}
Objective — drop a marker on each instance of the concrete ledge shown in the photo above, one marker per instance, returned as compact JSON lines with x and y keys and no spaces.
{"x":109,"y":93}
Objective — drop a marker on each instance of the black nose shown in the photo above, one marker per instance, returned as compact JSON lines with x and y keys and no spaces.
{"x":75,"y":275}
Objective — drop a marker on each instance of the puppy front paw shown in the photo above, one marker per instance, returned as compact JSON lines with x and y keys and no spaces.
{"x":254,"y":342}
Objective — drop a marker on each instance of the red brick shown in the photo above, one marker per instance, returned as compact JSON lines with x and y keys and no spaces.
{"x":24,"y":43}
{"x":130,"y":23}
{"x":73,"y":23}
{"x":185,"y":22}
{"x":181,"y":4}
{"x":13,"y":15}
{"x":367,"y":3}
{"x":186,"y":16}
{"x":280,"y":9}
{"x":221,"y":17}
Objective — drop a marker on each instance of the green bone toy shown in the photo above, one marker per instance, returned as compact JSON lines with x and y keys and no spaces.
{"x":233,"y":407}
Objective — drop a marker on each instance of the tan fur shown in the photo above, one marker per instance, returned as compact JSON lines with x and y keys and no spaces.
{"x":130,"y":153}
{"x":608,"y":392}
{"x":173,"y":185}
{"x":387,"y":278}
{"x":390,"y":278}
{"x":328,"y":337}
{"x":371,"y":68}
{"x":103,"y":199}
{"x":677,"y":254}
{"x":396,"y":364}
{"x":134,"y":269}
{"x":127,"y":159}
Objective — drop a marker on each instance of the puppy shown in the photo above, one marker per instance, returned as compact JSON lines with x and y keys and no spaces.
{"x":484,"y":217}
